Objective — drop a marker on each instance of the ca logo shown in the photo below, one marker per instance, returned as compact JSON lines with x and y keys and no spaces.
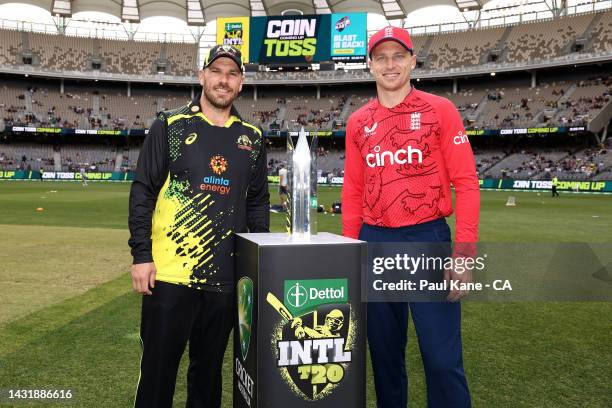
{"x":191,"y":138}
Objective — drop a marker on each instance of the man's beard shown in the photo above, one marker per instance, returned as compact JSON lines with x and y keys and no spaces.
{"x":218,"y":102}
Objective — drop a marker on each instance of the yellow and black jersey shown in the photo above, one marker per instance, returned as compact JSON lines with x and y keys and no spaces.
{"x":196,"y":185}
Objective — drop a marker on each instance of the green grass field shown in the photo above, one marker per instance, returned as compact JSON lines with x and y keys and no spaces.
{"x":69,"y":319}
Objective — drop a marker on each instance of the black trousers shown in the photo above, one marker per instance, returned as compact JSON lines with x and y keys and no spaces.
{"x":171,"y":316}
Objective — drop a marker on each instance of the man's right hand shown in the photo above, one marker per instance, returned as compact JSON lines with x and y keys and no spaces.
{"x":143,"y":276}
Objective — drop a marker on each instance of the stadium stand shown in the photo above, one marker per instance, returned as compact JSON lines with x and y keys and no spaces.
{"x":25,"y":156}
{"x":13,"y":104}
{"x":510,"y":106}
{"x":455,"y":50}
{"x":10,"y":44}
{"x":57,"y":52}
{"x":60,"y":52}
{"x":90,"y":157}
{"x":565,"y":98}
{"x":602,"y":34}
{"x":544,"y":40}
{"x":127,"y":57}
{"x":589,"y":97}
{"x":182,"y":58}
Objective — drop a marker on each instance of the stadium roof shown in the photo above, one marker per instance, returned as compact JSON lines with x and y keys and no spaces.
{"x":199,"y":12}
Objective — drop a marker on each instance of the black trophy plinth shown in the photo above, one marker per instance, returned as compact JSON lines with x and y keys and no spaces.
{"x":299,"y":338}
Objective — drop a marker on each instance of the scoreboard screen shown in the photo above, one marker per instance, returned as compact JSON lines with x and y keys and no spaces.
{"x":297,"y":39}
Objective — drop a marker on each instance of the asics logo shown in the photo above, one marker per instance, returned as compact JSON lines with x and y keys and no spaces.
{"x":400,"y":156}
{"x":191,"y":138}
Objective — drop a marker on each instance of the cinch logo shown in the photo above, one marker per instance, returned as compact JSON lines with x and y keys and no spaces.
{"x":191,"y":138}
{"x":305,"y":294}
{"x":401,"y":156}
{"x":460,"y":138}
{"x":216,"y":184}
{"x":369,"y":131}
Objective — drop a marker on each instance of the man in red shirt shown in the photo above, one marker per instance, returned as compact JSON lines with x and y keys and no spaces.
{"x":403,"y":151}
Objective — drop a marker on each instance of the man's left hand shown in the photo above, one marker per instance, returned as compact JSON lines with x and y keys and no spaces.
{"x":464,"y":275}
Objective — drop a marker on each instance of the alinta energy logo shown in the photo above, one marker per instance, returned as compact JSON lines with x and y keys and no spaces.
{"x":218,"y":164}
{"x":314,"y":338}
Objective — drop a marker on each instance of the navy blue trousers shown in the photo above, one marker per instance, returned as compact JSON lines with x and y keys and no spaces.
{"x":438,"y":328}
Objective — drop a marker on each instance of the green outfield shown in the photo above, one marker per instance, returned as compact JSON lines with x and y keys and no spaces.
{"x":69,"y":319}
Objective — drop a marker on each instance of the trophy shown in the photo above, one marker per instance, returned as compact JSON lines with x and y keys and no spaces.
{"x":302,"y":185}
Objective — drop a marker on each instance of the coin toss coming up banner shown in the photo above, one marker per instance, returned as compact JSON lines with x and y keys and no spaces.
{"x":295,"y":39}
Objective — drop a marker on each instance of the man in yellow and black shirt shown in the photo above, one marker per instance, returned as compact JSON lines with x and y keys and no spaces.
{"x":202,"y":175}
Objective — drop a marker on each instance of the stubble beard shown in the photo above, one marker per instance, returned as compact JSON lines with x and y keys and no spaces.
{"x":218,"y":103}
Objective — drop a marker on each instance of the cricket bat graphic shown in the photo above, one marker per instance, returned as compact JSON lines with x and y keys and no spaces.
{"x":300,"y":332}
{"x":279,"y":307}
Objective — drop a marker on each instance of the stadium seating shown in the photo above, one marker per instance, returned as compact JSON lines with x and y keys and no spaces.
{"x":90,"y":157}
{"x":10,"y":45}
{"x":519,"y":106}
{"x":13,"y":104}
{"x":128,"y":57}
{"x":525,"y":164}
{"x":602,"y":34}
{"x":544,"y":40}
{"x":589,"y":97}
{"x":531,"y":41}
{"x":460,"y":49}
{"x":26,"y":156}
{"x":500,"y":102}
{"x":61,"y":52}
{"x":183,"y":59}
{"x":58,"y":52}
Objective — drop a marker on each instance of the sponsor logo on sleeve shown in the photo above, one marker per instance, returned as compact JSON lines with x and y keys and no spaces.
{"x":460,"y":138}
